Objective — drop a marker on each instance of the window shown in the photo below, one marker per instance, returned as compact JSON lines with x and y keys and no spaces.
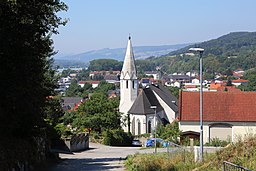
{"x":133,"y":84}
{"x":126,"y":83}
{"x":149,"y":126}
{"x":139,"y":129}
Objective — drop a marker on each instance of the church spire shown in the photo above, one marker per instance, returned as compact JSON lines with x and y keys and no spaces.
{"x":129,"y":69}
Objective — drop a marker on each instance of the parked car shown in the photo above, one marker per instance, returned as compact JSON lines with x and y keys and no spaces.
{"x":136,"y":143}
{"x":151,"y":142}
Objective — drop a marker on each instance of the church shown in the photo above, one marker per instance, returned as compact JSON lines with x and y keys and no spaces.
{"x":143,"y":109}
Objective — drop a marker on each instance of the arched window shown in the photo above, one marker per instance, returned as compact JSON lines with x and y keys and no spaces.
{"x":139,"y":127}
{"x":149,"y":126}
{"x":133,"y":126}
{"x":126,"y":83}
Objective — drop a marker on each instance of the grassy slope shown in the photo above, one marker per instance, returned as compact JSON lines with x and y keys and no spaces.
{"x":241,"y":153}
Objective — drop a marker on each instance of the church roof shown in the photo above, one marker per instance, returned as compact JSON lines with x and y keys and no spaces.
{"x":129,"y":69}
{"x":148,"y":98}
{"x":166,"y":96}
{"x":143,"y":102}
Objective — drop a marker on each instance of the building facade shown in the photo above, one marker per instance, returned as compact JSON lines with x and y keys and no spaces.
{"x":226,"y":115}
{"x":128,"y":83}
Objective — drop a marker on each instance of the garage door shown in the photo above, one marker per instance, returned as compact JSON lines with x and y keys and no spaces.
{"x":221,"y":132}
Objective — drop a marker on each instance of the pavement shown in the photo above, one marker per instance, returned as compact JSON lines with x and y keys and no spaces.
{"x":98,"y":157}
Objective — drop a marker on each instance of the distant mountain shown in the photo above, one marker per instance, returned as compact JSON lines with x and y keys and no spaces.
{"x":140,"y":52}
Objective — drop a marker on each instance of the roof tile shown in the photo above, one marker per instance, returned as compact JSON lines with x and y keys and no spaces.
{"x":218,"y":106}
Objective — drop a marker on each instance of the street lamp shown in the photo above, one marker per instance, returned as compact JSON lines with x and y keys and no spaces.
{"x":154,"y":107}
{"x":200,"y":51}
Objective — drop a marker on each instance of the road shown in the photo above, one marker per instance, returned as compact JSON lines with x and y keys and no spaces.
{"x":98,"y":157}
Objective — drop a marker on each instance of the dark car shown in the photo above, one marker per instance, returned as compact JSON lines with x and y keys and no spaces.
{"x":136,"y":143}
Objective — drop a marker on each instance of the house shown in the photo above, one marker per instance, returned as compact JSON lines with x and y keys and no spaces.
{"x":155,"y":74}
{"x":70,"y":103}
{"x":238,"y":73}
{"x":180,"y":78}
{"x":173,"y":84}
{"x":240,"y":82}
{"x":111,"y":78}
{"x":93,"y":83}
{"x":221,"y":86}
{"x":226,"y":115}
{"x":146,"y":81}
{"x":136,"y":108}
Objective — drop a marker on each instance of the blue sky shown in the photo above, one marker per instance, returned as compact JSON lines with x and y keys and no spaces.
{"x":97,"y":24}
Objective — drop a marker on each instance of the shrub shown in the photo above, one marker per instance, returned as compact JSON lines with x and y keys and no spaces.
{"x":117,"y":137}
{"x":216,"y":142}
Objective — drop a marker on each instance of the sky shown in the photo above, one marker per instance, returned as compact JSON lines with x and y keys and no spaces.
{"x":97,"y":24}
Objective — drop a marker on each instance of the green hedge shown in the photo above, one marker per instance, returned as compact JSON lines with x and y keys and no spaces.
{"x":117,"y":137}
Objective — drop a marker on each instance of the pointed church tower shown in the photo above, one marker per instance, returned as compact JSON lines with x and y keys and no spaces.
{"x":128,"y":82}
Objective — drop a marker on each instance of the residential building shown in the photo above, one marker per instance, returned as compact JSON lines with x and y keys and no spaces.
{"x":155,"y":74}
{"x":226,"y":115}
{"x":240,"y":82}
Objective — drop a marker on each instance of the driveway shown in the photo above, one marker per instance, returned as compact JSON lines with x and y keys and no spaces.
{"x":98,"y":157}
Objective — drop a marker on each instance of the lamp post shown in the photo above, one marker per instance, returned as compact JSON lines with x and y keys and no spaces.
{"x":200,"y":51}
{"x":154,"y":107}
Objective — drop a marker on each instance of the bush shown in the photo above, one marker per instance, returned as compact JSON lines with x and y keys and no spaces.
{"x":117,"y":137}
{"x":216,"y":142}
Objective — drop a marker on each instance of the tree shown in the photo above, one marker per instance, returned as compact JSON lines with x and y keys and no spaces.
{"x":251,"y":76}
{"x":170,"y":132}
{"x":74,"y":89}
{"x":98,"y":113}
{"x":105,"y":65}
{"x":174,"y":91}
{"x":105,"y":87}
{"x":25,"y":54}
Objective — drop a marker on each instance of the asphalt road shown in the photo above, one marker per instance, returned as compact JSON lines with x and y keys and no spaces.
{"x":98,"y":157}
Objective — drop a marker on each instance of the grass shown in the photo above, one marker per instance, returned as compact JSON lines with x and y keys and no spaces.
{"x":241,"y":153}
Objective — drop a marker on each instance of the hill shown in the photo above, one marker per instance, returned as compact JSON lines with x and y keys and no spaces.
{"x":141,"y":52}
{"x":232,"y":51}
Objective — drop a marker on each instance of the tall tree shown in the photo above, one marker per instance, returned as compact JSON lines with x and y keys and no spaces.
{"x":25,"y":60}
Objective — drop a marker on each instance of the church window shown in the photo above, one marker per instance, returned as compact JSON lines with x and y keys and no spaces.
{"x":133,"y":84}
{"x":133,"y":126}
{"x":149,"y":126}
{"x":126,"y":83}
{"x":139,"y":127}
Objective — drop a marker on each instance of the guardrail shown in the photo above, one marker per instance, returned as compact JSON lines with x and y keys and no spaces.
{"x":177,"y":150}
{"x":227,"y":166}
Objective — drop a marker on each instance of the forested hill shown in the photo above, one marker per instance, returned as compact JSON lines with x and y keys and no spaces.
{"x":231,"y":51}
{"x":227,"y":45}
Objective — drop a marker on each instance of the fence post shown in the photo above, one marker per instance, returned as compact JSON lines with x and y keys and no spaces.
{"x":196,"y":153}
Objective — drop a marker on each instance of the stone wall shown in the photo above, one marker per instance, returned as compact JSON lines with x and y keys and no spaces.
{"x":78,"y":142}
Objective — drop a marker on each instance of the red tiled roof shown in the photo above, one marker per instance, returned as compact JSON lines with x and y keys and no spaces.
{"x":240,"y":81}
{"x":218,"y":106}
{"x":229,"y":89}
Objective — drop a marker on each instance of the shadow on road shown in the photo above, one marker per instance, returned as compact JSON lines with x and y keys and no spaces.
{"x":87,"y":164}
